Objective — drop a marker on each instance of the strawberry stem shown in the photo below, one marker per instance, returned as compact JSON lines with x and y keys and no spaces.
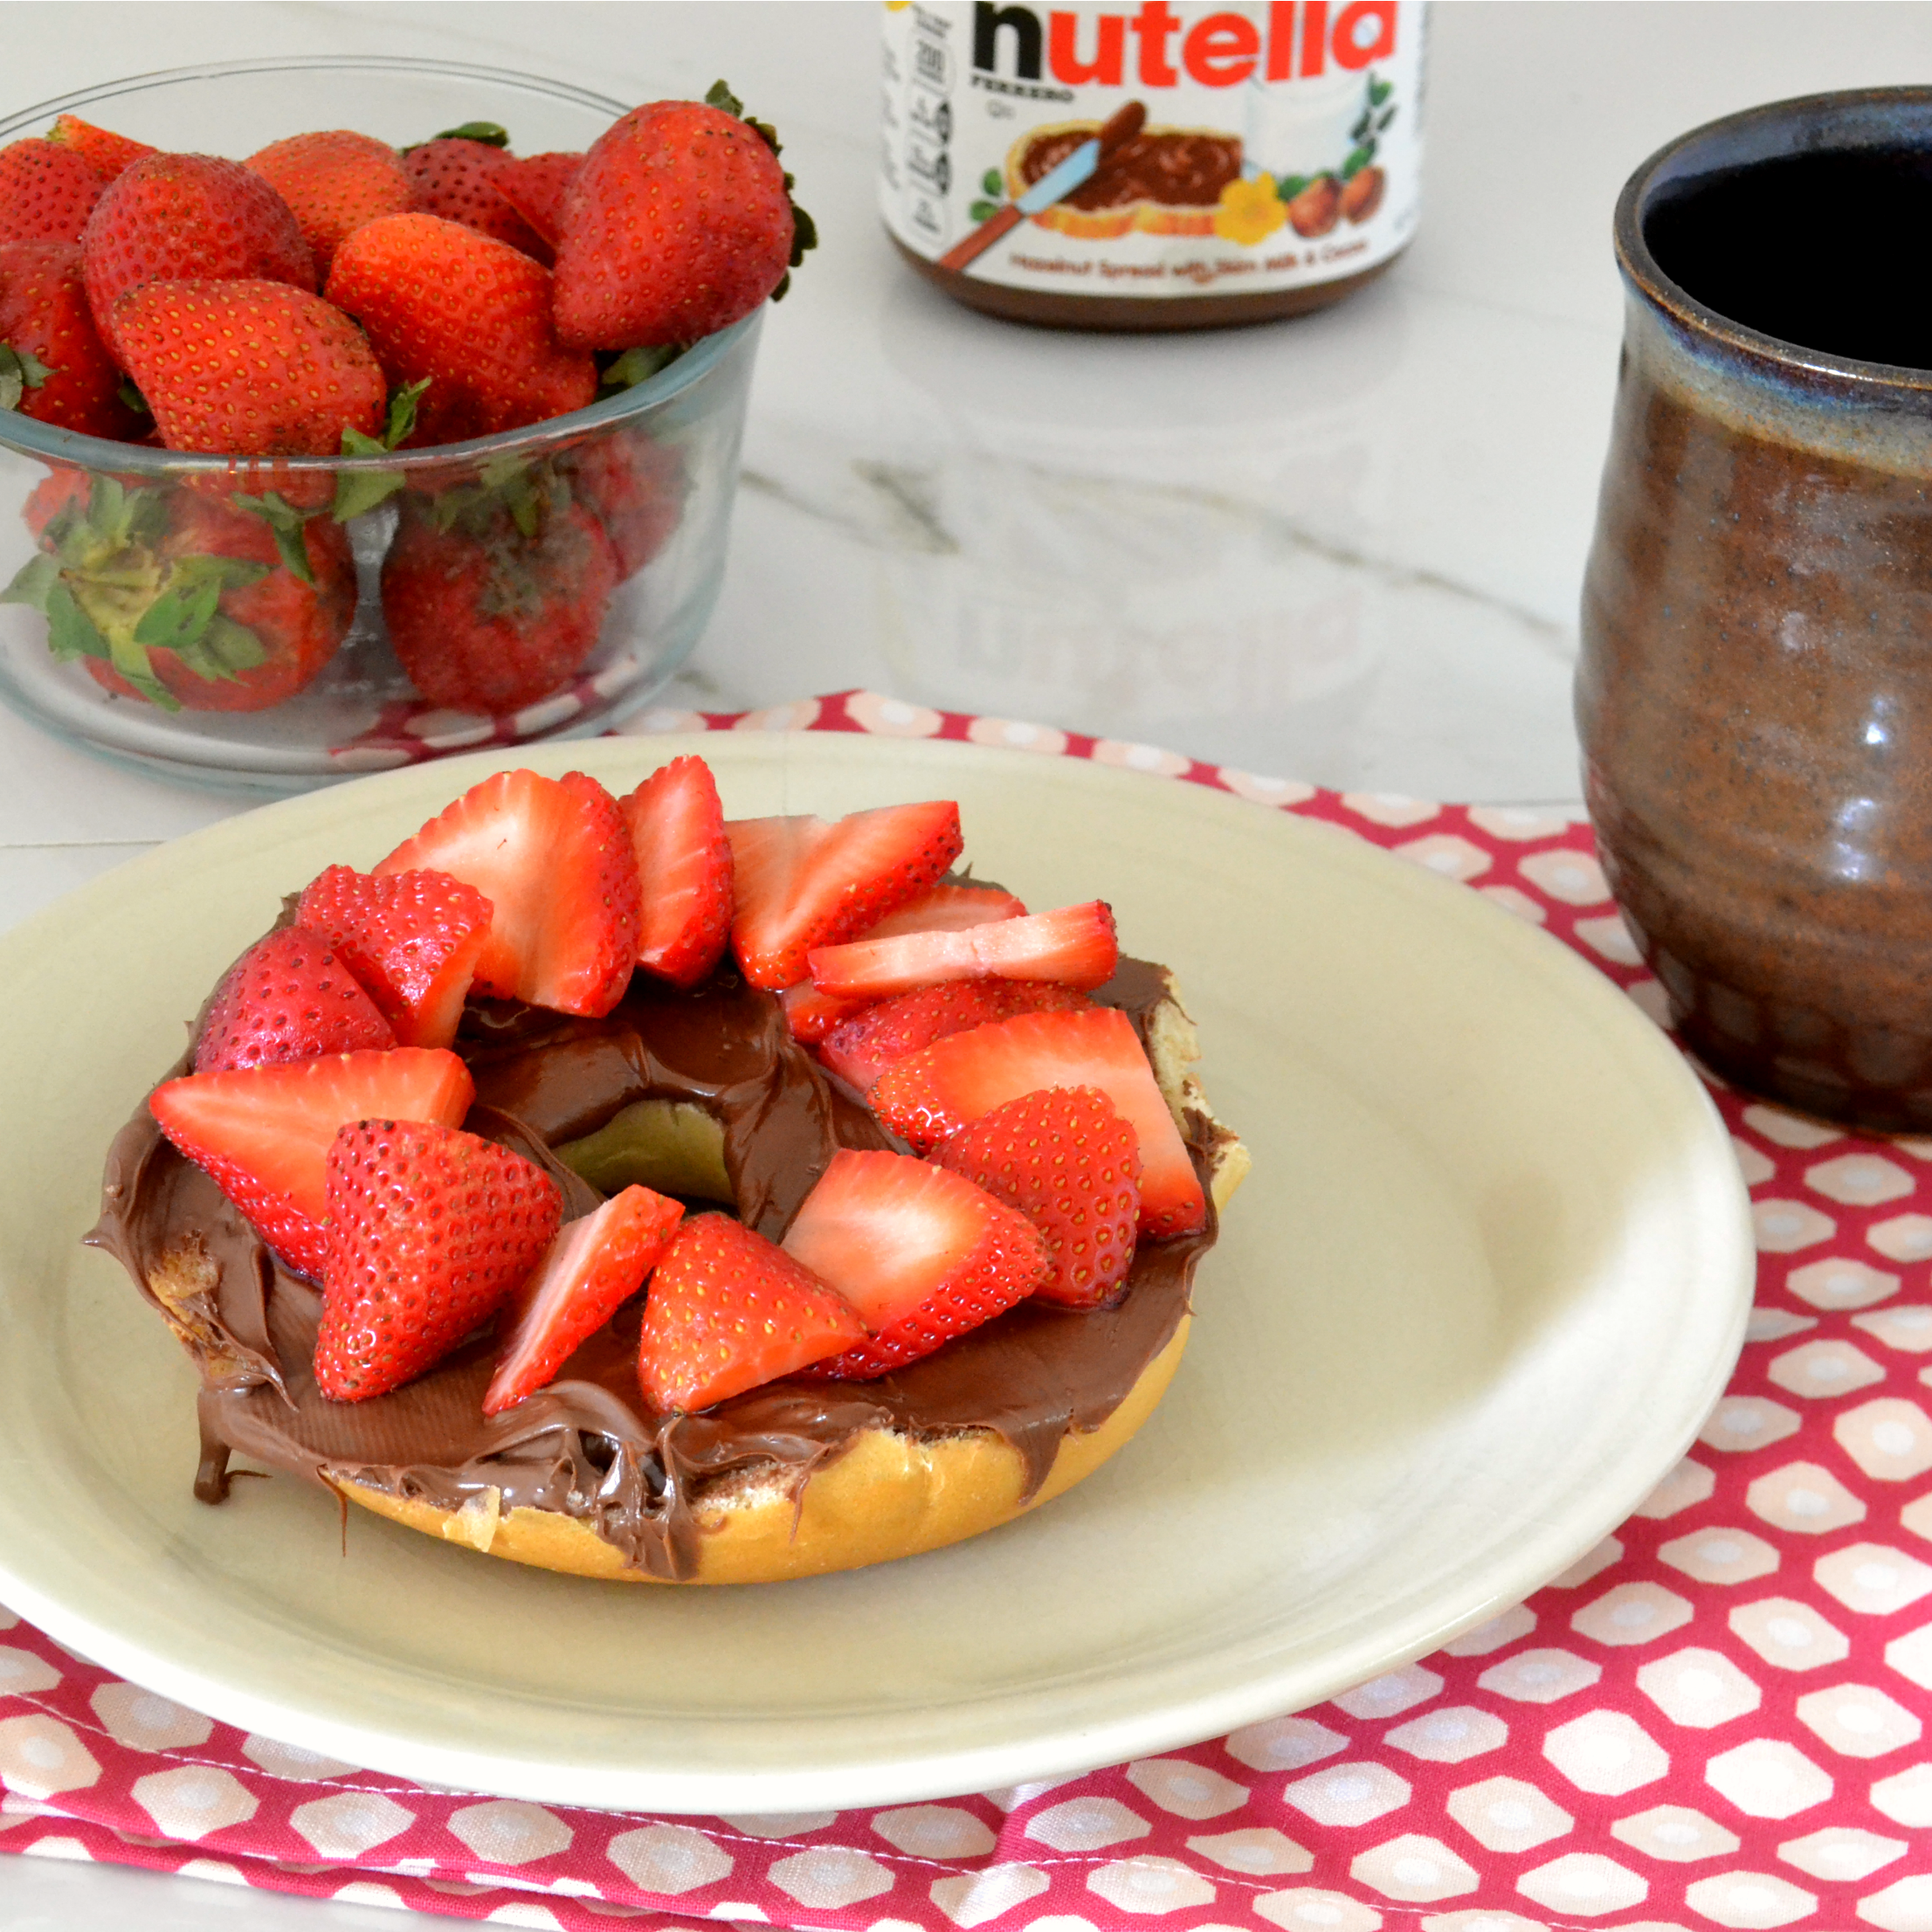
{"x":284,"y":523}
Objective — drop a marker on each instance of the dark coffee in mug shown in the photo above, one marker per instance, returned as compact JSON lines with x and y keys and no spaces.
{"x":1824,"y":251}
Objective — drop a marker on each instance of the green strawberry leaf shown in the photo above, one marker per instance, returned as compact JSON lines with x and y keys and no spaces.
{"x":520,"y":494}
{"x":486,"y":132}
{"x":133,"y":398}
{"x":639,"y":365}
{"x":119,"y":518}
{"x":401,"y":418}
{"x":284,"y":522}
{"x":177,"y":619}
{"x":33,"y":583}
{"x":359,"y":491}
{"x":223,"y":650}
{"x":20,"y":371}
{"x":70,"y":632}
{"x":805,"y":234}
{"x":719,"y":94}
{"x":73,"y":634}
{"x":226,"y":573}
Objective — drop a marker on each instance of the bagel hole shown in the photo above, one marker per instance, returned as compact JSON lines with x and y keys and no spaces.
{"x":671,"y":1147}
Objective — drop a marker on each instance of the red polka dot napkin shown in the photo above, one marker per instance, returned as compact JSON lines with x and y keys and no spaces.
{"x":1716,"y":1718}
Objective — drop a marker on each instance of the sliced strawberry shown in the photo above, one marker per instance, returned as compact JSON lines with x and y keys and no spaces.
{"x":264,"y":1133}
{"x":947,"y":908}
{"x":412,"y":938}
{"x":553,"y":858}
{"x":684,"y":870}
{"x":922,"y":1254}
{"x":1068,"y":1161}
{"x":593,"y":1264}
{"x":431,"y":1230}
{"x":810,"y":1015}
{"x":1073,"y":946}
{"x":933,"y":1093}
{"x":288,"y":997}
{"x":728,"y":1310}
{"x":859,"y":1049}
{"x":803,"y":882}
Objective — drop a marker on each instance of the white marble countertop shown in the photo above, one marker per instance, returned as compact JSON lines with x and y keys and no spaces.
{"x":1345,"y":549}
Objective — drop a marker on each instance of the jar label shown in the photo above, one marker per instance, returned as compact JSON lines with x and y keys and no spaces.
{"x":1280,"y":142}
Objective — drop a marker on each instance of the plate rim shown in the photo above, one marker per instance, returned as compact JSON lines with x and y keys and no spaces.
{"x":946,"y":1771}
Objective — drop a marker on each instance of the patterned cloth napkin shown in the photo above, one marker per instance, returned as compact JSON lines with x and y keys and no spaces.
{"x":1715,"y":1718}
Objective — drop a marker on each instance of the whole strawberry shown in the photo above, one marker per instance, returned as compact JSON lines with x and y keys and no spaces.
{"x":486,"y":615}
{"x":333,"y":183}
{"x":108,"y":151}
{"x":43,"y":316}
{"x":177,"y":597}
{"x":456,"y":177}
{"x":173,"y":217}
{"x":47,"y":191}
{"x":288,"y":997}
{"x":470,"y":316}
{"x":431,"y":1230}
{"x":249,"y":368}
{"x":677,"y":223}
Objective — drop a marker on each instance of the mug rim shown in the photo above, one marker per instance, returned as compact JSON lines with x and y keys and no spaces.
{"x":1677,"y":161}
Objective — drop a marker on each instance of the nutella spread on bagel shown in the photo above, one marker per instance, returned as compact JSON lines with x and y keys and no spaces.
{"x":594,"y":1406}
{"x":1152,"y":165}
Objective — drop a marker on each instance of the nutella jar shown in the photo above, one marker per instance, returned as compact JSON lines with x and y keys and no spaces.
{"x":1155,"y":165}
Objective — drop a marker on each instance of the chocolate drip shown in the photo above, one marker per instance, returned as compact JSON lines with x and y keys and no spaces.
{"x":588,"y":1446}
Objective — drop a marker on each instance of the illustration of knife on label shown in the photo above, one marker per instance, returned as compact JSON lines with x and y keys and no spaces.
{"x":1056,"y":184}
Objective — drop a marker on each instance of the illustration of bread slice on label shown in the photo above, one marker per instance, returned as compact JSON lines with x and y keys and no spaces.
{"x":1165,"y":181}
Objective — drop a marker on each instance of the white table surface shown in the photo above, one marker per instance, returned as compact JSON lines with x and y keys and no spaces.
{"x":1345,"y":549}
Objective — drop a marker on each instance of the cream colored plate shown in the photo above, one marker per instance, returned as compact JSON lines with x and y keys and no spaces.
{"x":1490,"y":1271}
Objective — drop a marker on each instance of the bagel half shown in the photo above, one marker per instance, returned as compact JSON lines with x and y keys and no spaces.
{"x":898,"y":1485}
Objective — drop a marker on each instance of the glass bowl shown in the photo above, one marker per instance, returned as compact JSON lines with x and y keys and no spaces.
{"x":652,"y":467}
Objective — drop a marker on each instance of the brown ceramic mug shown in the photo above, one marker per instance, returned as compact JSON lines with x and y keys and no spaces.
{"x":1754,"y":690}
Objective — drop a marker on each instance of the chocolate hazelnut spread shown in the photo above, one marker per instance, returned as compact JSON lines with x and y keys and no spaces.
{"x":1156,"y":165}
{"x":587,"y":1446}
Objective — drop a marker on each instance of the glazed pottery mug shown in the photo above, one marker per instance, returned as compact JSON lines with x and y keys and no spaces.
{"x":1754,"y":695}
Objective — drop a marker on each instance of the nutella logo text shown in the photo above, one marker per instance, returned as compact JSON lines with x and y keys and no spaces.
{"x":1152,"y":46}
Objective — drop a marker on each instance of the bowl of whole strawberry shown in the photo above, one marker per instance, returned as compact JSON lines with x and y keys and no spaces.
{"x":408,"y":422}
